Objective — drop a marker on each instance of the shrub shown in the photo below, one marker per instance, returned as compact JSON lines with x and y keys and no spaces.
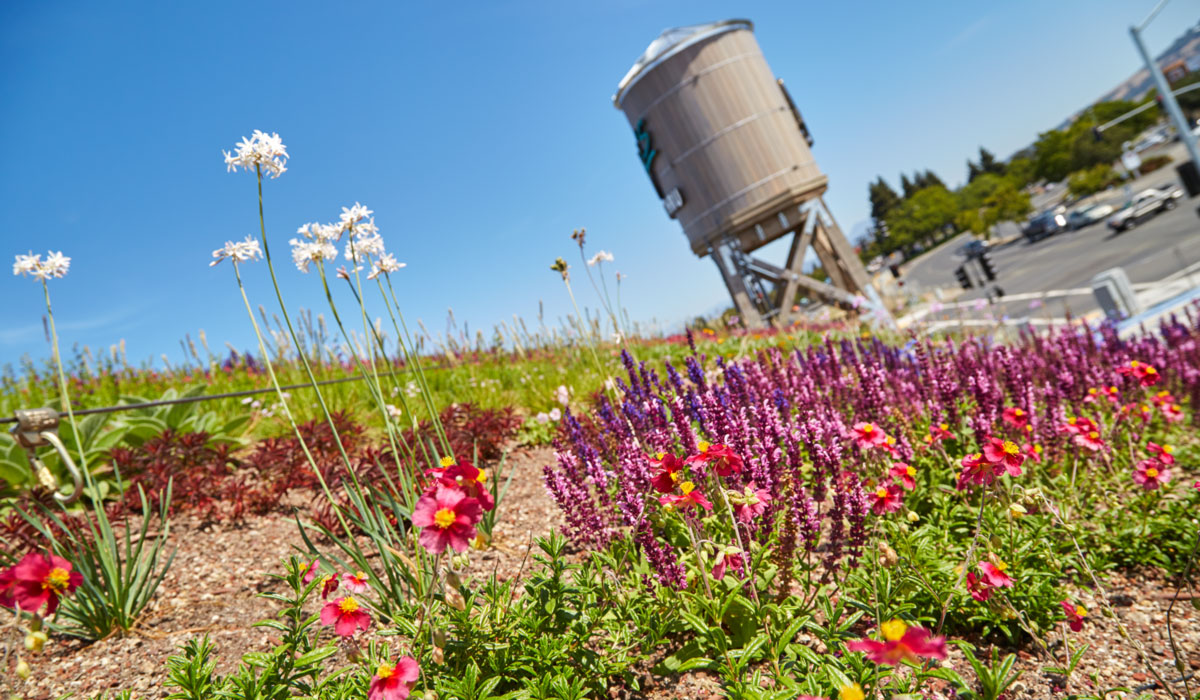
{"x":1153,"y":163}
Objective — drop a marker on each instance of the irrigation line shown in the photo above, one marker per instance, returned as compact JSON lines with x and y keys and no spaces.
{"x":204,"y":397}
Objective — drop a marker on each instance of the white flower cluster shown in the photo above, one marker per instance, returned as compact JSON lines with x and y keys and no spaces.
{"x":600,"y":257}
{"x":55,"y":265}
{"x":261,"y":149}
{"x":237,"y":251}
{"x":386,"y":264}
{"x":359,"y":248}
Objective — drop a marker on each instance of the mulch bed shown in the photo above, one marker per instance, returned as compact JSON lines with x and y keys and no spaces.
{"x":212,"y":586}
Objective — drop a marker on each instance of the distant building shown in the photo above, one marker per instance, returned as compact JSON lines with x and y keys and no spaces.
{"x":1174,"y":72}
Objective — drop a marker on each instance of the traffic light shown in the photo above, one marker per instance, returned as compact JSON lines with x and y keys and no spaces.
{"x":1162,"y":108}
{"x":964,"y":280}
{"x":1097,"y":135}
{"x":989,"y":271}
{"x":895,"y":270}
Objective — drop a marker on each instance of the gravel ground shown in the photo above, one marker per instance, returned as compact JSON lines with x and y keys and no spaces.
{"x":218,"y":570}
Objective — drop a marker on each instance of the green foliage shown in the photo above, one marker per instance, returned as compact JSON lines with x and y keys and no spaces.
{"x":922,"y":216}
{"x":1060,"y":152}
{"x":1096,"y":178}
{"x":993,"y":679}
{"x":988,"y":200}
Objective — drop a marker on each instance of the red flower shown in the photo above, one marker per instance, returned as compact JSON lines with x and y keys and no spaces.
{"x":727,"y":559}
{"x":868,"y":435}
{"x":1172,"y":412}
{"x":37,"y":580}
{"x":978,"y":588}
{"x":329,"y":584}
{"x":1144,"y":373}
{"x":939,"y":432}
{"x":464,"y":475}
{"x":750,"y":503}
{"x":1151,"y":473}
{"x":1163,"y":453}
{"x":1076,"y":425}
{"x":690,"y":496}
{"x":1004,"y":453}
{"x":994,"y":574}
{"x":1089,"y":440}
{"x":355,"y":583}
{"x":1032,"y":452}
{"x":447,"y":516}
{"x":905,"y":473}
{"x":902,"y":643}
{"x":669,"y":472}
{"x":1163,"y":398}
{"x":1015,"y":417}
{"x":310,"y":570}
{"x":976,"y":471}
{"x":346,"y":616}
{"x":720,"y":457}
{"x":1075,"y":615}
{"x":394,"y":681}
{"x":886,"y":499}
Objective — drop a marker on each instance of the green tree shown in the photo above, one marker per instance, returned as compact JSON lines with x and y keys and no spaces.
{"x":922,"y":217}
{"x":988,"y":200}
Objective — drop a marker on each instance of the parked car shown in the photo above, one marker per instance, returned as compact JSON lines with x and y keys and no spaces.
{"x":1086,"y":216}
{"x":1146,"y":204}
{"x":1045,"y":224}
{"x":972,"y":249}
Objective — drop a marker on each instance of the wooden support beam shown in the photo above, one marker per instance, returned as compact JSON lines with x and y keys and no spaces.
{"x":786,"y":296}
{"x":737,"y":289}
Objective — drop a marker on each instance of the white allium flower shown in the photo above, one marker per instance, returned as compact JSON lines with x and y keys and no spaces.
{"x":599,"y":257}
{"x":393,"y":411}
{"x":386,"y":263}
{"x":239,"y":251}
{"x":555,"y":414}
{"x":304,"y":253}
{"x":352,"y":215}
{"x":360,"y":248}
{"x":261,"y":149}
{"x":54,"y":266}
{"x":324,"y":233}
{"x":562,"y":394}
{"x":543,"y":418}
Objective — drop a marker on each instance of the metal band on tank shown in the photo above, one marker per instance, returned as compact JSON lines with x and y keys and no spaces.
{"x":693,"y":77}
{"x":719,"y":28}
{"x":725,"y":130}
{"x":745,"y":190}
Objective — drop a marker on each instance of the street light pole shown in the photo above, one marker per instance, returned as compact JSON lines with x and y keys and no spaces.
{"x":1164,"y":91}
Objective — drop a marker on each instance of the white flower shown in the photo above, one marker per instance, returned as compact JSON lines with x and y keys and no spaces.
{"x":562,"y":394}
{"x":361,"y":247}
{"x":393,"y":411}
{"x":261,"y":149}
{"x":323,"y":233}
{"x":599,"y":257}
{"x":386,"y":263}
{"x":54,"y":266}
{"x":543,"y":418}
{"x":555,"y":414}
{"x":304,"y":253}
{"x":352,"y":215}
{"x":240,"y":251}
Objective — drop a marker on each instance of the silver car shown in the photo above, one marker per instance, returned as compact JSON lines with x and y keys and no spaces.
{"x":1146,"y":204}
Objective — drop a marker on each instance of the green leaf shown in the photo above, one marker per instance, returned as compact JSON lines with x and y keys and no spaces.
{"x":317,"y":655}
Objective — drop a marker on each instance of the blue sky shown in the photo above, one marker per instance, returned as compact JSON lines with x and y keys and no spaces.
{"x":481,"y":133}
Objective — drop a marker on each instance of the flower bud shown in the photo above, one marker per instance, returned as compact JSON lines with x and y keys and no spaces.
{"x":912,"y":517}
{"x":439,"y":639}
{"x":34,"y":641}
{"x":455,"y":600}
{"x":22,"y":669}
{"x":453,"y":579}
{"x":481,"y":542}
{"x":887,"y":555}
{"x":439,"y":657}
{"x":460,"y":560}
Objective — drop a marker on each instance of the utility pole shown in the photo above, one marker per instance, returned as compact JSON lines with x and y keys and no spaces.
{"x":1164,"y":90}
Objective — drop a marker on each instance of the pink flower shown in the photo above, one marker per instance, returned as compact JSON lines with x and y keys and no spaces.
{"x":1146,"y":374}
{"x":994,"y":574}
{"x":1032,"y":452}
{"x":1089,"y":440}
{"x":720,"y":457}
{"x":976,"y":471}
{"x":37,"y":580}
{"x":466,"y":476}
{"x":939,"y":432}
{"x":689,"y":496}
{"x":750,"y":503}
{"x":868,"y":435}
{"x":670,"y":471}
{"x":901,"y":643}
{"x":328,"y":585}
{"x":394,"y":681}
{"x":727,"y":559}
{"x":356,"y":582}
{"x":1075,"y":615}
{"x":1151,"y":473}
{"x":310,"y":570}
{"x":886,"y":499}
{"x":978,"y":588}
{"x":1172,"y":412}
{"x":905,"y":473}
{"x":1015,"y":417}
{"x":346,"y":616}
{"x":1004,"y":453}
{"x":446,"y":516}
{"x":1163,"y":453}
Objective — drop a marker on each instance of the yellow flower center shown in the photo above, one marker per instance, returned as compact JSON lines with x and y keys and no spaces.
{"x":1000,"y":566}
{"x":385,"y":671}
{"x":868,"y":428}
{"x":1072,"y":420}
{"x":481,"y":476}
{"x":1080,"y":610}
{"x":1093,"y":434}
{"x":703,"y":446}
{"x":447,"y":461}
{"x":444,"y":518}
{"x":1167,"y":449}
{"x":1150,"y":370}
{"x":1145,"y":408}
{"x":1152,"y":472}
{"x":881,"y":493}
{"x":1092,"y":391}
{"x":57,"y":580}
{"x":1134,"y":364}
{"x":893,"y":630}
{"x":1018,"y":413}
{"x":891,"y":440}
{"x":910,"y":470}
{"x":687,"y":487}
{"x":348,"y":605}
{"x":1011,"y":448}
{"x":944,"y":426}
{"x":674,"y":476}
{"x":851,"y":692}
{"x":1037,"y":449}
{"x":1112,"y":389}
{"x":360,"y":575}
{"x":659,"y":455}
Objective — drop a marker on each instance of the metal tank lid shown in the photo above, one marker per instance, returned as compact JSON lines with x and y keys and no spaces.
{"x":671,"y":42}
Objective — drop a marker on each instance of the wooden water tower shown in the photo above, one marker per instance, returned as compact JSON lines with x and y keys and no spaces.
{"x":728,"y":154}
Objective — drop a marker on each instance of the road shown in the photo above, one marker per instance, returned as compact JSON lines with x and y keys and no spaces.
{"x":1149,"y":252}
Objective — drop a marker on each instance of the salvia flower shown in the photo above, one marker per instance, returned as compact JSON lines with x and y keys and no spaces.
{"x":55,"y":266}
{"x":1150,"y":474}
{"x":995,"y":574}
{"x":261,"y":149}
{"x":901,"y":642}
{"x":1163,"y":453}
{"x":356,"y":582}
{"x":346,"y":616}
{"x":602,"y":256}
{"x":905,"y":474}
{"x":237,"y":251}
{"x":394,"y":681}
{"x":1075,"y":615}
{"x":720,"y":457}
{"x":37,"y":580}
{"x":446,"y":516}
{"x":867,"y":435}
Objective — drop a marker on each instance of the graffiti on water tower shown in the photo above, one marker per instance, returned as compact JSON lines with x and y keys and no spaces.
{"x":673,"y":200}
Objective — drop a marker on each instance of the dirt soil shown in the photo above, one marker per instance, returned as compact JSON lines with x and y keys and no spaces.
{"x":211,"y":590}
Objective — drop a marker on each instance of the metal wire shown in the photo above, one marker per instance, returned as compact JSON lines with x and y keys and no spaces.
{"x":201,"y":397}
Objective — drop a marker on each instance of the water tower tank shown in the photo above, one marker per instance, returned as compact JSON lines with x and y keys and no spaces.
{"x":718,"y":135}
